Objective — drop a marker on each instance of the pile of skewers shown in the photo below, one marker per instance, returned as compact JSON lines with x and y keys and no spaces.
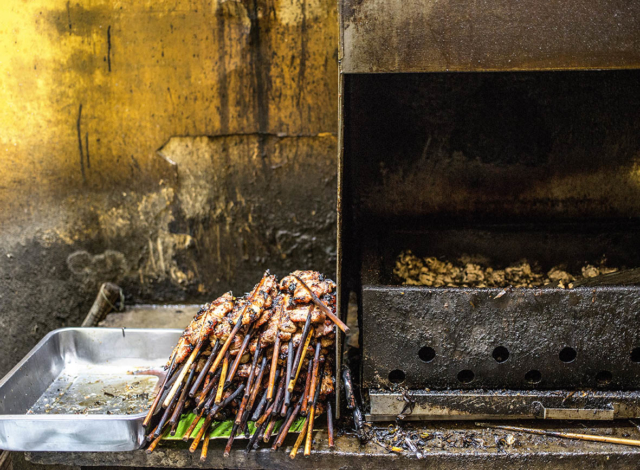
{"x":266,"y":357}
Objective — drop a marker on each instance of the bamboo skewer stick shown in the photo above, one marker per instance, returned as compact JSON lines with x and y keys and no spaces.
{"x":272,"y":424}
{"x":263,"y":427}
{"x":316,"y":367}
{"x":205,"y":391}
{"x":566,"y":435}
{"x":327,"y":311}
{"x":307,"y":444}
{"x":257,"y":415}
{"x":243,"y":423}
{"x":266,"y":415}
{"x":205,"y":427}
{"x":223,"y":374}
{"x":227,"y":449}
{"x":209,"y":399}
{"x":167,"y":414}
{"x":286,"y":419}
{"x":252,"y":371}
{"x":167,"y":386}
{"x":274,"y":364}
{"x":241,"y":410}
{"x":258,"y":384}
{"x":287,"y":393}
{"x":244,"y":416}
{"x":255,"y":439}
{"x":277,"y":403}
{"x":301,"y":437}
{"x":312,"y":415}
{"x":287,"y":425}
{"x":258,"y":411}
{"x":304,"y":341}
{"x":307,"y":387}
{"x":205,"y":370}
{"x":173,"y":422}
{"x":236,"y":363}
{"x":172,"y":374}
{"x":300,"y":358}
{"x":147,"y":419}
{"x":227,"y":343}
{"x":183,"y":372}
{"x":205,"y":448}
{"x":150,"y":437}
{"x":192,"y":426}
{"x":156,"y":441}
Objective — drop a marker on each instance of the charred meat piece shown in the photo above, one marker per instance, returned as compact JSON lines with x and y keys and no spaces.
{"x":207,"y":318}
{"x":243,"y":370}
{"x":299,"y":313}
{"x":181,"y":351}
{"x":269,"y":335}
{"x":259,"y":299}
{"x":265,"y":317}
{"x":286,"y":325}
{"x":326,"y":329}
{"x":327,"y":387}
{"x":316,"y":282}
{"x":237,"y":343}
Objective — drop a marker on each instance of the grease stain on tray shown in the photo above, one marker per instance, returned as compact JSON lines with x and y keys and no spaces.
{"x":88,"y":392}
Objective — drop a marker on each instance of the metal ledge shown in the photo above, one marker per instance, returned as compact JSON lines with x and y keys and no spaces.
{"x":482,"y":405}
{"x":527,"y":452}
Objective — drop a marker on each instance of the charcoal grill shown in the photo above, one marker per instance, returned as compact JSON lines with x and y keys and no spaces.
{"x":532,"y":154}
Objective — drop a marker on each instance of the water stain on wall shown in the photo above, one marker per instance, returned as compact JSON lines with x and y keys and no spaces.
{"x":177,"y":148}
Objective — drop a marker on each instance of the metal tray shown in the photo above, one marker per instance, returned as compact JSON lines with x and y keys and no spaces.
{"x":55,"y":400}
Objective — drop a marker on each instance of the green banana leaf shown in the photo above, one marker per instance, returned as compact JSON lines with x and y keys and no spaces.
{"x":222,"y":429}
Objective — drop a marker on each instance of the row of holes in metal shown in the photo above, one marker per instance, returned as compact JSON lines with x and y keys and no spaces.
{"x":501,"y":354}
{"x":533,"y":377}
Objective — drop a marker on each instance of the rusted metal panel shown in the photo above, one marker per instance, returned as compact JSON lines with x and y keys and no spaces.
{"x":442,"y":338}
{"x":489,"y":35}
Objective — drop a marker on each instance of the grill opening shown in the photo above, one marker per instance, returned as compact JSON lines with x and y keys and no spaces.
{"x":426,"y":354}
{"x":500,"y":354}
{"x":466,"y":376}
{"x":397,"y":376}
{"x":635,"y":355}
{"x":533,"y":377}
{"x":568,"y":354}
{"x":604,"y":378}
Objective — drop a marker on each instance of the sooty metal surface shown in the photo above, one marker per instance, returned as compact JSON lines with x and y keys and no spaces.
{"x":523,"y":339}
{"x":503,"y":404}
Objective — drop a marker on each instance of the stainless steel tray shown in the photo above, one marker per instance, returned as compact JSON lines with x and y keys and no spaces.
{"x":57,"y":398}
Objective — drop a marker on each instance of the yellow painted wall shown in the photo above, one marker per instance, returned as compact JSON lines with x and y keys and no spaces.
{"x":177,"y":148}
{"x":142,"y":72}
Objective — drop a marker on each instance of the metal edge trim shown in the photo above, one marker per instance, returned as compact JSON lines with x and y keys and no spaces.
{"x":40,"y":343}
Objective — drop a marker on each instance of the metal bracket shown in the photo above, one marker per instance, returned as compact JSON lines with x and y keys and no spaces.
{"x":606,"y":413}
{"x":500,"y":405}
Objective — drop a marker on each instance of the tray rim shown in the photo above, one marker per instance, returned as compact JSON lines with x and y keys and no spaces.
{"x":65,"y":417}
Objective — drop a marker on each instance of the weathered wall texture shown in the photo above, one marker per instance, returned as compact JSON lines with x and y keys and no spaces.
{"x":177,"y":148}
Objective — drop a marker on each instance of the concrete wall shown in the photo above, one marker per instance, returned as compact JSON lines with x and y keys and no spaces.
{"x":177,"y":148}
